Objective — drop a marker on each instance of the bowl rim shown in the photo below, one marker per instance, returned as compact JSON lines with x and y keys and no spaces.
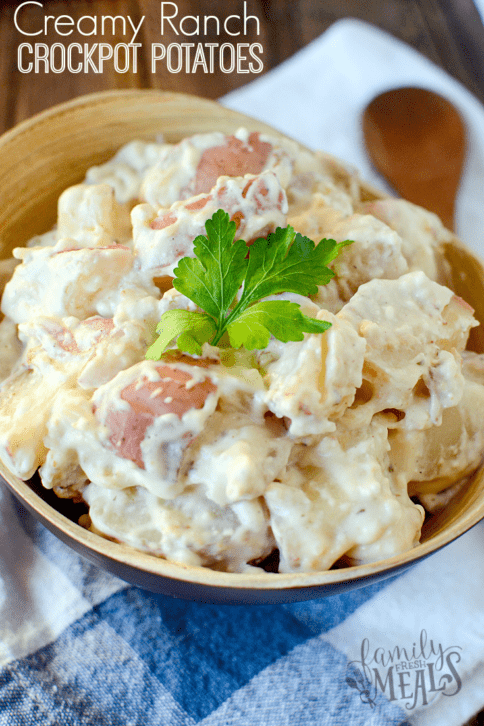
{"x":145,"y":562}
{"x":98,"y":98}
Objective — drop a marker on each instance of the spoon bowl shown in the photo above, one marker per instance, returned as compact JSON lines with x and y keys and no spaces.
{"x":417,"y":140}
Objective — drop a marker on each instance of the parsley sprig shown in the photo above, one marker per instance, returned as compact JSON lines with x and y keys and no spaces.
{"x":284,"y":262}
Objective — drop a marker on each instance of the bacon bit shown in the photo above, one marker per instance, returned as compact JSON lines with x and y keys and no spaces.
{"x":234,"y":158}
{"x":164,"y":221}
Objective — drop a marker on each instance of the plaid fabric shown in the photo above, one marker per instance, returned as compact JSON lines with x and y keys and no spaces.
{"x":138,"y":658}
{"x":79,"y":647}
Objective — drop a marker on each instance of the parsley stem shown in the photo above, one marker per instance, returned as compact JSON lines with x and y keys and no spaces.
{"x":220,"y":331}
{"x":225,"y":322}
{"x":216,"y":340}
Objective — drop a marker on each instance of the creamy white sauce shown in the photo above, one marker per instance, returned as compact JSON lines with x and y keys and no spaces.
{"x":313,"y":447}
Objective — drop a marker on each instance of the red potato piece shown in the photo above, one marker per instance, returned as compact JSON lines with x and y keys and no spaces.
{"x":197,"y":204}
{"x":90,"y":215}
{"x":102,"y":325}
{"x":165,"y":220}
{"x":257,"y":205}
{"x":25,"y":405}
{"x":261,"y":196}
{"x":63,"y":281}
{"x":76,"y":342}
{"x":234,"y":158}
{"x":90,"y":352}
{"x":422,"y":233}
{"x":193,"y":166}
{"x":148,"y":400}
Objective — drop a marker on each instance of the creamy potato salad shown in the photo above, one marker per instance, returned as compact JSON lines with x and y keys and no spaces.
{"x":323,"y":449}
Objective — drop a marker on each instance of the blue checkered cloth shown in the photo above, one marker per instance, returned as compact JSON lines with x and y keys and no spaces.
{"x":80,"y":647}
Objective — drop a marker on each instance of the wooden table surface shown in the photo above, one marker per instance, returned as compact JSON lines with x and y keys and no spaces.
{"x":449,"y":32}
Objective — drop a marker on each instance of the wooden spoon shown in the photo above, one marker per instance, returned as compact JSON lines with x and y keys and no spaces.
{"x":417,"y":140}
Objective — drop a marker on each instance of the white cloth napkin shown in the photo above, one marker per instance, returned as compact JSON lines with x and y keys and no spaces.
{"x":480,"y":6}
{"x":317,"y":97}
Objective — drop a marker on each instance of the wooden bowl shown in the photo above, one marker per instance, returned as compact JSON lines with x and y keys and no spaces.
{"x":41,"y":157}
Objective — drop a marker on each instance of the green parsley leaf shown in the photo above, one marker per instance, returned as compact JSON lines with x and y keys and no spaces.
{"x":191,"y":328}
{"x":214,"y":277}
{"x":284,"y":262}
{"x":281,"y":318}
{"x":288,"y":262}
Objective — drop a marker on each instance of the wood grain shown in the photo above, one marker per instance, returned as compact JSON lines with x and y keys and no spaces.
{"x":450,"y":35}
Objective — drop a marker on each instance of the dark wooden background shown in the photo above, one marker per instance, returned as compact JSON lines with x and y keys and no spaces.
{"x":449,"y":32}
